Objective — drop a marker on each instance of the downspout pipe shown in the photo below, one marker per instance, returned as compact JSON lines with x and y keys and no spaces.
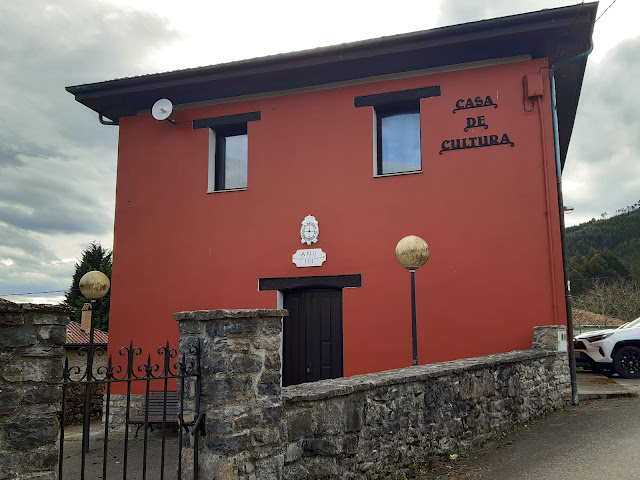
{"x":567,"y":281}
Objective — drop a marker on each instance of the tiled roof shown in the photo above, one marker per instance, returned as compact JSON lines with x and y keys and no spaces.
{"x":77,"y":336}
{"x":584,"y":317}
{"x":2,"y":300}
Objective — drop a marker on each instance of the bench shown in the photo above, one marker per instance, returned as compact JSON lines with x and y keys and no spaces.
{"x":156,"y":408}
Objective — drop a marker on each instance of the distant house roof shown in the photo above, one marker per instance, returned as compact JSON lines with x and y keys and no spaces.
{"x":584,"y":317}
{"x":2,"y":300}
{"x":563,"y":35}
{"x":77,"y":336}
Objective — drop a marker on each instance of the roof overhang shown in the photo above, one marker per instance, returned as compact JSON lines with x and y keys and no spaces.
{"x":557,"y":34}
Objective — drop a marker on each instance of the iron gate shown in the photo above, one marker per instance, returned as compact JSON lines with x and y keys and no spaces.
{"x":162,"y":407}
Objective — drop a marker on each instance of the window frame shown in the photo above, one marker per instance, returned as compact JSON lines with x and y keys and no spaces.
{"x":221,"y":128}
{"x":219,"y":154}
{"x":390,"y":110}
{"x":390,"y":103}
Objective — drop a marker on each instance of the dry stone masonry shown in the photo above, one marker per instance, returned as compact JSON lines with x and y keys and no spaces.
{"x":31,"y":355}
{"x":74,"y":408}
{"x":118,"y":410}
{"x":241,"y":394}
{"x":363,"y":427}
{"x":378,"y":425}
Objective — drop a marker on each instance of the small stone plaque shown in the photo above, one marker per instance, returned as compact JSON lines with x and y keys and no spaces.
{"x":309,"y":257}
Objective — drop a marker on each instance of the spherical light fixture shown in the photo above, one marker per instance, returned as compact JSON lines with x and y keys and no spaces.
{"x":412,"y":252}
{"x":94,"y":284}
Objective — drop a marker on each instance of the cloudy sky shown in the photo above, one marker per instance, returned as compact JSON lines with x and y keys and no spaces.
{"x":57,"y":163}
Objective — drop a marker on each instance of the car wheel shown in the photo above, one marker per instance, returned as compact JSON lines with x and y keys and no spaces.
{"x":626,"y":362}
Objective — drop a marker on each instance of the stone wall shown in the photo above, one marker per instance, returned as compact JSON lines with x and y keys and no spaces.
{"x":378,"y":425}
{"x":118,"y":410}
{"x":240,"y":392}
{"x":363,"y":427}
{"x":74,"y":407}
{"x":31,"y":352}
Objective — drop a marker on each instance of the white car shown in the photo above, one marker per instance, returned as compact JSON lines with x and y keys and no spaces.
{"x":618,"y":349}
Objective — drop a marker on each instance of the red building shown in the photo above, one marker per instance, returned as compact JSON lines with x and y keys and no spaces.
{"x":447,"y":134}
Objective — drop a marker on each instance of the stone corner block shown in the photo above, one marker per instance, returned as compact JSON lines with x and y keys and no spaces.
{"x":546,"y":337}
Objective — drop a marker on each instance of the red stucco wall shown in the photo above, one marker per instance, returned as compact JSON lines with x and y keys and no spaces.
{"x":488,"y":214}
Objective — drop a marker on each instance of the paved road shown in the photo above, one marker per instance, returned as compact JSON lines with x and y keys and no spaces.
{"x":632,"y":384}
{"x":596,"y":440}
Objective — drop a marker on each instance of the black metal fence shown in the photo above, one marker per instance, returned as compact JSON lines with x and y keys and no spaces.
{"x":163,"y":405}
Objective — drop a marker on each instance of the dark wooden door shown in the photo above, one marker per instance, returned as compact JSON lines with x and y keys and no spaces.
{"x":312,"y":344}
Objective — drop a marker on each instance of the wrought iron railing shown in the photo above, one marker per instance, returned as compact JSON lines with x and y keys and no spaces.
{"x":182,"y":370}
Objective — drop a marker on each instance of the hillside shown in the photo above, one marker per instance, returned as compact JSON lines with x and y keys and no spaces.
{"x":619,"y":234}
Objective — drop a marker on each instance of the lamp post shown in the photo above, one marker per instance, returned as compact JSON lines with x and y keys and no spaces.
{"x":413,"y":252}
{"x":93,"y":285}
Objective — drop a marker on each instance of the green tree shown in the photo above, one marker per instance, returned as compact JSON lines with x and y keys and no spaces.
{"x":601,"y":265}
{"x":606,"y":233}
{"x":629,"y":253}
{"x":94,"y":257}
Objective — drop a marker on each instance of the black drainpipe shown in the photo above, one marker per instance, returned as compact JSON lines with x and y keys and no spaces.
{"x":567,"y":281}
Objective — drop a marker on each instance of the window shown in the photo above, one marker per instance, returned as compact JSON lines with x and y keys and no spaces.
{"x":397,"y":131}
{"x":398,"y":140}
{"x":228,"y":158}
{"x":228,"y":150}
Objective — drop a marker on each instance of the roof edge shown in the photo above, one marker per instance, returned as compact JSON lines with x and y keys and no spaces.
{"x":489,"y":28}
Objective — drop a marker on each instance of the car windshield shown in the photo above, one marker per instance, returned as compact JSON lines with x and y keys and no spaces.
{"x":635,"y":323}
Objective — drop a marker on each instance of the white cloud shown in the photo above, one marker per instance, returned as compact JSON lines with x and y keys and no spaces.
{"x":602,"y":157}
{"x":58,"y":164}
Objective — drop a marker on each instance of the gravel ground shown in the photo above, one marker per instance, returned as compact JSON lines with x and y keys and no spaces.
{"x":115,"y":458}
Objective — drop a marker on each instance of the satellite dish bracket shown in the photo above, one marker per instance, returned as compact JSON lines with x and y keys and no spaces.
{"x":162,"y":109}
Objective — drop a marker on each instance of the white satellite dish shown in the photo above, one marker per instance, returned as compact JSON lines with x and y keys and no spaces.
{"x":162,"y":109}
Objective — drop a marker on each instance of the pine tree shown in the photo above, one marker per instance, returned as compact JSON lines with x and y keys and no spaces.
{"x":94,"y":257}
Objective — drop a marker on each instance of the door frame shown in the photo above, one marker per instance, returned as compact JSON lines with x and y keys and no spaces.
{"x":295,"y":283}
{"x":312,"y":335}
{"x":282,"y":284}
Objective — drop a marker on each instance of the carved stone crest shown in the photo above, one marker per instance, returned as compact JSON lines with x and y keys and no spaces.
{"x":309,"y":230}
